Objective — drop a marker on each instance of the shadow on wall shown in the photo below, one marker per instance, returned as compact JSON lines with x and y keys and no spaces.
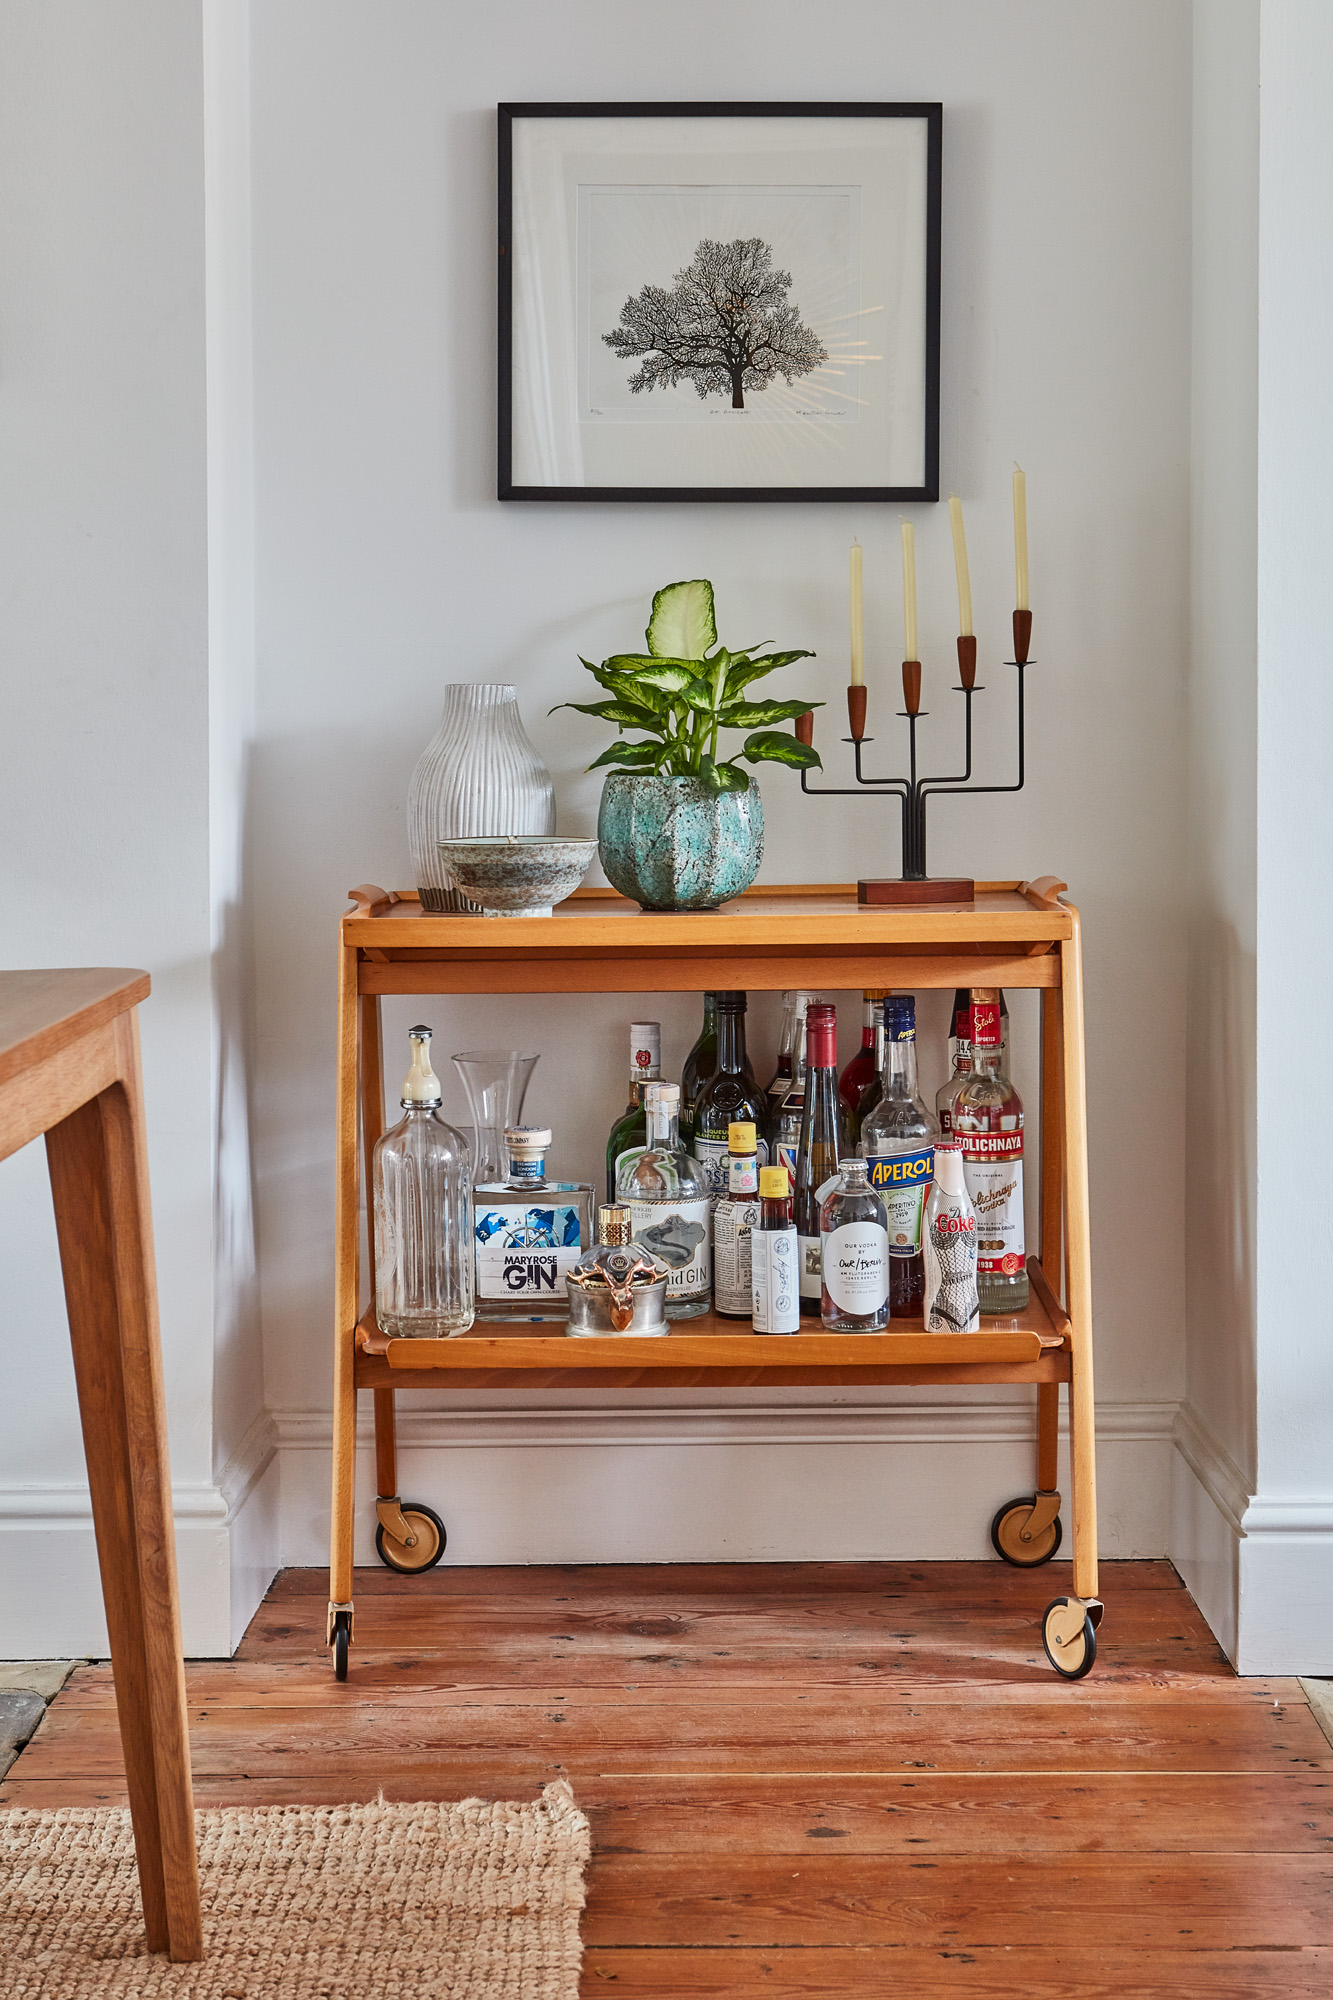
{"x":1220,"y":1195}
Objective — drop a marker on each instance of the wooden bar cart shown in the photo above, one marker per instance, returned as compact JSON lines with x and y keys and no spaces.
{"x":1018,"y":934}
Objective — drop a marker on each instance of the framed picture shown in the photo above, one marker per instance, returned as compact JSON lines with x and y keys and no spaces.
{"x":719,"y":301}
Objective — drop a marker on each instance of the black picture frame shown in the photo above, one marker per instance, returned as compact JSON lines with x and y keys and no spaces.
{"x":930,"y":114}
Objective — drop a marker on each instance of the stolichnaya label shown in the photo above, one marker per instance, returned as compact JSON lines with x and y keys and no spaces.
{"x":993,"y":1170}
{"x":856,"y":1267}
{"x":524,"y":1248}
{"x":775,"y":1293}
{"x":902,"y":1180}
{"x":678,"y":1233}
{"x":734,"y":1223}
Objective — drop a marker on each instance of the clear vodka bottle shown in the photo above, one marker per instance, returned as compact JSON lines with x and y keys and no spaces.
{"x":665,"y":1190}
{"x":854,"y":1255}
{"x":422,"y":1201}
{"x":988,"y":1119}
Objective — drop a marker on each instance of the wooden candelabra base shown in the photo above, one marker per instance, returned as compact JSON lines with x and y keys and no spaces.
{"x":889,"y":892}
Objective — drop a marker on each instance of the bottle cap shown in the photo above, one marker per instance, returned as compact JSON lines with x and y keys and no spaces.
{"x":730,"y":1002}
{"x":527,"y":1138}
{"x":985,"y":1017}
{"x":900,"y":1017}
{"x":645,"y":1047}
{"x":741,"y":1136}
{"x":613,"y":1225}
{"x":663,"y":1093}
{"x":948,"y":1145}
{"x":420,"y":1085}
{"x":773,"y":1184}
{"x":875,"y":992}
{"x":821,"y":1035}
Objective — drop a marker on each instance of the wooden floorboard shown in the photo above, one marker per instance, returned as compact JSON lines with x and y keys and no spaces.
{"x":822,"y":1779}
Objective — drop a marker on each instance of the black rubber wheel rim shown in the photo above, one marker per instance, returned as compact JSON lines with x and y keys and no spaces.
{"x":1017,"y":1561}
{"x":1089,"y":1659}
{"x":385,"y":1546}
{"x":340,"y":1643}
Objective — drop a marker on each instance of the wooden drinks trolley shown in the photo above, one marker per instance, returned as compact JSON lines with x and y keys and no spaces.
{"x":1018,"y":934}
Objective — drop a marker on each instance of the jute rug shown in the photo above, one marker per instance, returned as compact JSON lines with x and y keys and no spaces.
{"x":382,"y":1902}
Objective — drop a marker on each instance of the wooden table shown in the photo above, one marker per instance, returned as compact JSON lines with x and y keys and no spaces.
{"x":1018,"y":935}
{"x":69,"y":1068}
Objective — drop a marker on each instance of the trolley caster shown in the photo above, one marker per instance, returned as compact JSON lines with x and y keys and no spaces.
{"x":409,"y":1538}
{"x":340,"y":1638}
{"x":1027,"y":1532}
{"x":1069,"y":1635}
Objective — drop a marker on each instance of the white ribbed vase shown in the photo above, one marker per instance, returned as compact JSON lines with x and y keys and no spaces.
{"x":478,"y":775}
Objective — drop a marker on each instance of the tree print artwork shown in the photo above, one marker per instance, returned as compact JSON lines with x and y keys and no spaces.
{"x":725,"y":325}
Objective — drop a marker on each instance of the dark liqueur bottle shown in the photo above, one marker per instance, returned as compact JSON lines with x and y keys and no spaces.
{"x":699,"y":1066}
{"x":728,"y":1095}
{"x":869,"y":1058}
{"x":817,"y":1153}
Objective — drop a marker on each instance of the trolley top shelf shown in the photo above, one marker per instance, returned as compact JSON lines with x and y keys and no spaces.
{"x":771,"y":937}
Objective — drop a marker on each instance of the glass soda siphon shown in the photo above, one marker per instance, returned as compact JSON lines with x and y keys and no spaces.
{"x":898,"y":1141}
{"x":422,"y":1181}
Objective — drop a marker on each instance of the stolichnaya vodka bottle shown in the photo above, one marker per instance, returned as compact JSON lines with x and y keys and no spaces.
{"x":854,"y":1254}
{"x":949,"y":1247}
{"x":665,"y":1190}
{"x":988,"y":1119}
{"x":422,"y":1200}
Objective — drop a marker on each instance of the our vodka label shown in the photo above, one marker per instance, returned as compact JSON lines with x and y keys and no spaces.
{"x":856,"y":1267}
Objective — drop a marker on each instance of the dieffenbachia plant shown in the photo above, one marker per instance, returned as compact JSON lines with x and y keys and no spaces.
{"x":684,"y":690}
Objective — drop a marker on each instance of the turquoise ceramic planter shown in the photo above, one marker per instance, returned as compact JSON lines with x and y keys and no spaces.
{"x":673,"y":844}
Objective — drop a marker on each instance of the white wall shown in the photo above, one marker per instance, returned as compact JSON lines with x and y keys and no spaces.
{"x":105,"y":780}
{"x":385,"y":567}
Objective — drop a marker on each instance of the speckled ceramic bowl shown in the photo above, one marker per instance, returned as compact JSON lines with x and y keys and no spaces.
{"x":517,"y":875}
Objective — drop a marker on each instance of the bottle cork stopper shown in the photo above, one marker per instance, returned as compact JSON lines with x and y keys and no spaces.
{"x":741,"y":1136}
{"x":420,"y":1085}
{"x":613,"y":1225}
{"x":773,"y":1184}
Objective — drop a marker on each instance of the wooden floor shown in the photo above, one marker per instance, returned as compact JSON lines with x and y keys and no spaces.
{"x":819,"y":1780}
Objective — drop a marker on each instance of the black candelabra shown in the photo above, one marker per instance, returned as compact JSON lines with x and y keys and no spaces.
{"x":914,"y":791}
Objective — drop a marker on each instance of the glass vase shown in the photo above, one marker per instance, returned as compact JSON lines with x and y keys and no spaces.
{"x":496,"y":1082}
{"x":478,"y":775}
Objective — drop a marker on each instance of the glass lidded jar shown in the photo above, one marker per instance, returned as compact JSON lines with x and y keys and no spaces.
{"x":422,"y":1175}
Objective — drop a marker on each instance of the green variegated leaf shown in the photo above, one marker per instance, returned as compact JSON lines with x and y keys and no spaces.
{"x":631,"y":756}
{"x":625,"y":714}
{"x":753,"y":714}
{"x":745,"y":671}
{"x":669,"y":675}
{"x":731,"y":779}
{"x":698,"y":695}
{"x":682,"y":625}
{"x":770,"y":746}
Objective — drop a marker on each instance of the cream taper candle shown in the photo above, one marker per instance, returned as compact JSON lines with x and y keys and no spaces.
{"x":1020,"y":540}
{"x":960,"y":566}
{"x":909,"y":592}
{"x":858,"y":646}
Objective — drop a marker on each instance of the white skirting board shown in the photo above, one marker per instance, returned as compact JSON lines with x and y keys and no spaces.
{"x":1259,"y":1567}
{"x":227,"y":1539}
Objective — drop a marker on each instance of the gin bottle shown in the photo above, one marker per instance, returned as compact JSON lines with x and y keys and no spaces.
{"x":666,"y":1193}
{"x":854,"y":1255}
{"x":898,"y":1141}
{"x":530,"y":1230}
{"x":629,"y":1134}
{"x":422,"y":1199}
{"x":988,"y":1119}
{"x":728,"y":1095}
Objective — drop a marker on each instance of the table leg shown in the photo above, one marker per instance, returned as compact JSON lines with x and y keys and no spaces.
{"x":346,"y":1305}
{"x":1078,"y":1250}
{"x":99,"y":1181}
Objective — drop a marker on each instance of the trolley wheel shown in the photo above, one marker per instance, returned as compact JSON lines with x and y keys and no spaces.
{"x":430,"y":1534}
{"x":1069,"y":1637}
{"x":341,"y":1640}
{"x":1009,"y":1541}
